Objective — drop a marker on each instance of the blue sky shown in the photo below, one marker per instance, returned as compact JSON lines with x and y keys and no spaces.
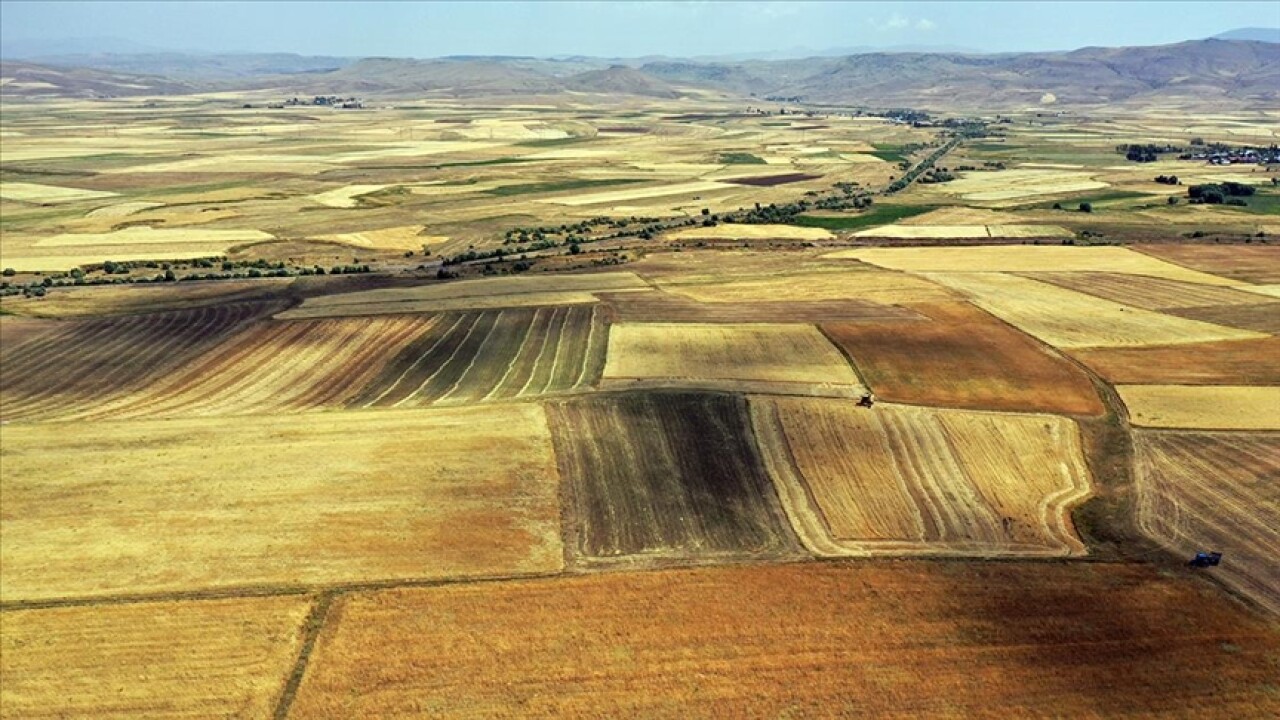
{"x":622,"y":29}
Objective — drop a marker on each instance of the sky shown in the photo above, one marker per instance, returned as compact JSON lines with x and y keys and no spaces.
{"x":620,"y":29}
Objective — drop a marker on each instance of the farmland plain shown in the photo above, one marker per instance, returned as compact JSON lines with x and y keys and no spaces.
{"x":531,"y":406}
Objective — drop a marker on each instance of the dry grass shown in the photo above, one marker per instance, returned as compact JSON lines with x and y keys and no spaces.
{"x":1068,"y":319}
{"x":907,"y":639}
{"x":1215,"y":491}
{"x":1219,"y":407}
{"x":168,"y":506}
{"x":897,"y":480}
{"x":1026,"y":258}
{"x":723,"y":355}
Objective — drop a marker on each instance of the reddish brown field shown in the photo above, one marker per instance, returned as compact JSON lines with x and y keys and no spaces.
{"x":1251,"y":263}
{"x":903,"y":640}
{"x":966,"y":358}
{"x":1231,"y":362}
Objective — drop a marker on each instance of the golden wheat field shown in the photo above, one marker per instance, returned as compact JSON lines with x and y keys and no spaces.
{"x":172,"y":658}
{"x":277,"y":502}
{"x":897,"y":480}
{"x":1226,"y":407}
{"x":720,"y":355}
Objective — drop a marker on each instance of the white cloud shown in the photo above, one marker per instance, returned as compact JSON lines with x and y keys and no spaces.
{"x":925,"y":24}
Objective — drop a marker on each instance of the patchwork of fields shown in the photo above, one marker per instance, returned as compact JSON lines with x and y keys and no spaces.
{"x":622,"y":478}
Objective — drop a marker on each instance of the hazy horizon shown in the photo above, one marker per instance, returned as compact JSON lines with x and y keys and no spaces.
{"x":546,"y":29}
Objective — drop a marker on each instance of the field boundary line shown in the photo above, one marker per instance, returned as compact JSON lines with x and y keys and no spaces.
{"x":311,"y":628}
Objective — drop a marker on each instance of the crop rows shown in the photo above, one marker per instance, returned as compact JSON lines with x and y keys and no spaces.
{"x":902,"y":480}
{"x":83,"y":363}
{"x":1218,"y":492}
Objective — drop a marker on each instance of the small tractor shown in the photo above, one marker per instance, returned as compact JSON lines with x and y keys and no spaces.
{"x":1205,"y":559}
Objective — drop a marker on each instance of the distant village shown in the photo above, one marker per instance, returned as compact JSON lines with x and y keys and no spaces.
{"x":331,"y":101}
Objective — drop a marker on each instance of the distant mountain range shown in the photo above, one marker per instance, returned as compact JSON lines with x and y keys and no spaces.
{"x":1256,"y":34}
{"x":1237,"y":72}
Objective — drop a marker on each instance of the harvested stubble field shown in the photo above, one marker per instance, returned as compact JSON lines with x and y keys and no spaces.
{"x":1215,"y":491}
{"x":271,"y":367}
{"x":1216,"y":407}
{"x":48,"y":194}
{"x":515,"y":291}
{"x":1231,"y":362}
{"x":666,"y":475}
{"x":137,"y":299}
{"x":897,"y":480}
{"x":1068,"y":319}
{"x":786,"y":357}
{"x":1005,"y":185}
{"x":71,"y":366}
{"x":910,"y":639}
{"x":212,"y":658}
{"x":181,"y":505}
{"x":1149,"y":293}
{"x":963,"y":357}
{"x":493,"y":355}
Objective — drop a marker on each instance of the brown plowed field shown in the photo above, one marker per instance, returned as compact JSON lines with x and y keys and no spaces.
{"x":1219,"y":492}
{"x":152,"y":506}
{"x":1151,"y":293}
{"x":1262,"y":317}
{"x":911,"y":481}
{"x":659,"y":306}
{"x":1231,"y":362}
{"x":663,"y":475}
{"x":900,"y":640}
{"x":71,"y":366}
{"x":215,"y":658}
{"x":494,"y":354}
{"x":1250,"y":263}
{"x":963,"y":357}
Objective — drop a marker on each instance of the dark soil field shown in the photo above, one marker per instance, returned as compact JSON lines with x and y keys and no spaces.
{"x":772,"y":180}
{"x":666,"y":475}
{"x":903,"y":640}
{"x":964,"y":358}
